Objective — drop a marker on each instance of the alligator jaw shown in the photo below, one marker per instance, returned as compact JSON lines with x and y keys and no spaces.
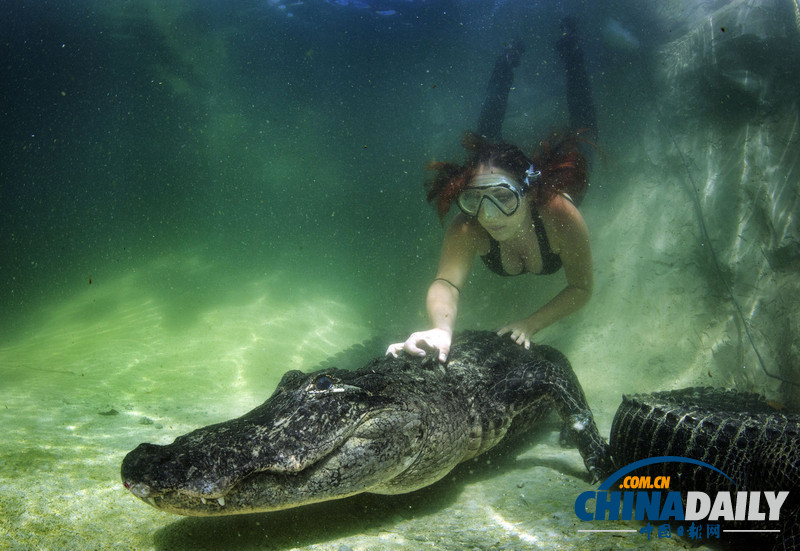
{"x":263,"y":491}
{"x":181,"y":503}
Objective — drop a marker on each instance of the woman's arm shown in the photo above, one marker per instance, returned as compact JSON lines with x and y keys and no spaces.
{"x":458,"y":251}
{"x":569,"y":238}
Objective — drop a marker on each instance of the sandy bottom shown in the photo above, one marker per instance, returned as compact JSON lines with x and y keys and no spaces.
{"x":111,"y":368}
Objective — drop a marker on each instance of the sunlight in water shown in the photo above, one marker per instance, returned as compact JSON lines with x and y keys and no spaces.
{"x":200,"y":196}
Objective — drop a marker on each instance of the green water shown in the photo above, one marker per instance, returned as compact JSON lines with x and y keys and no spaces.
{"x":199,"y":196}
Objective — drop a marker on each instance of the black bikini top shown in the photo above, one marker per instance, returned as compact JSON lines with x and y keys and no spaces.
{"x":551,"y":262}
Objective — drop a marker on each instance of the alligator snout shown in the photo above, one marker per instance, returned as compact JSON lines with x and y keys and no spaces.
{"x":144,"y":467}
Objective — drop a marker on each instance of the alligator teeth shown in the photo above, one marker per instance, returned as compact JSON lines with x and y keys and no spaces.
{"x":151,"y":501}
{"x":203,"y":500}
{"x":221,"y":501}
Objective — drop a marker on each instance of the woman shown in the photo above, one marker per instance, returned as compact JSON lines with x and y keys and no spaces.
{"x":518,"y":214}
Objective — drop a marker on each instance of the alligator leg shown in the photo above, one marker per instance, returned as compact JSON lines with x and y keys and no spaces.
{"x":551,"y":380}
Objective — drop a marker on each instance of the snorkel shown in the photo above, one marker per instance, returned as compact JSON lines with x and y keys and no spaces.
{"x":531,"y":175}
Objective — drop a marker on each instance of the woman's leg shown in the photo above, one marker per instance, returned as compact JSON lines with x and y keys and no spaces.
{"x":582,"y":115}
{"x":493,"y":111}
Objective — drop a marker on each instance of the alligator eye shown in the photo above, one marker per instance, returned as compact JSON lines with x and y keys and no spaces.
{"x":323,"y":382}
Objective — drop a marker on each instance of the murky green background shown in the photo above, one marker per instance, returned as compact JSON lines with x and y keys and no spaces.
{"x":199,"y":196}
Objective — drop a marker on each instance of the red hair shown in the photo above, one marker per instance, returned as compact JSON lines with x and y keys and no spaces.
{"x":564,"y":168}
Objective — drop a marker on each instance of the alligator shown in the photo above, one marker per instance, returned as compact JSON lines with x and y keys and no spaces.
{"x":393,"y":426}
{"x":754,"y":444}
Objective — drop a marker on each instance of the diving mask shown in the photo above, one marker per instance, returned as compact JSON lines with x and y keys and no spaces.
{"x":503,"y":192}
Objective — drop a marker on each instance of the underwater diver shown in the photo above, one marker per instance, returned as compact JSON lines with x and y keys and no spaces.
{"x":518,"y":214}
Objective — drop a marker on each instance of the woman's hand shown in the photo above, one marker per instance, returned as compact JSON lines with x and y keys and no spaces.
{"x":422,"y":342}
{"x":521,"y":332}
